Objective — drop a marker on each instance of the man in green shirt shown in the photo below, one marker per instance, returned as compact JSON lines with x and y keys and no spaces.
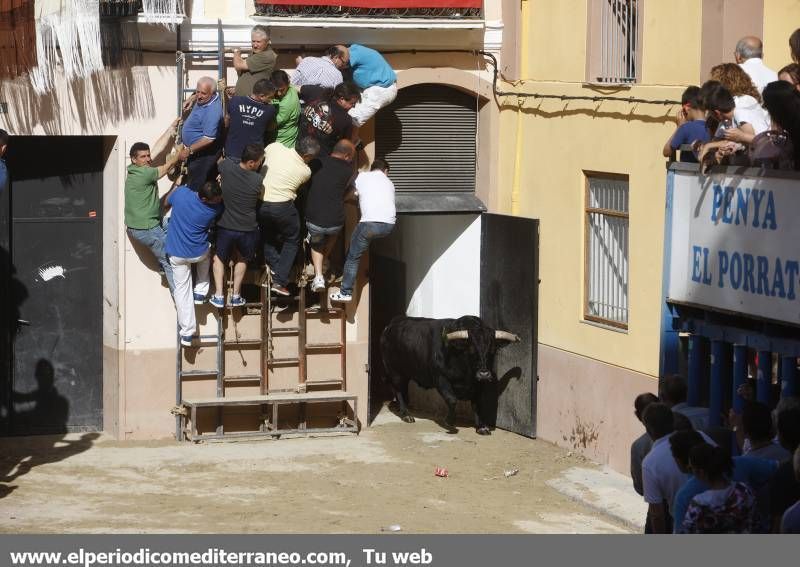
{"x":142,"y":205}
{"x":258,"y":65}
{"x":287,"y":100}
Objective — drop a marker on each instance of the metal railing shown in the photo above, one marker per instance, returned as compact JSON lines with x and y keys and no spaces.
{"x":119,"y":8}
{"x":619,"y":41}
{"x":317,"y":11}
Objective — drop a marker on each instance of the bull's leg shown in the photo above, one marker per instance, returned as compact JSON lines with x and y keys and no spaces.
{"x":480,"y":427}
{"x":402,"y":402}
{"x":451,"y":401}
{"x":400,"y":389}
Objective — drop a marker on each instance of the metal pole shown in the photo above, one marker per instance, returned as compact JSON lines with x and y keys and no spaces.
{"x":720,"y":362}
{"x":739,"y":375}
{"x":696,"y":367}
{"x":789,"y":376}
{"x":764,"y":377}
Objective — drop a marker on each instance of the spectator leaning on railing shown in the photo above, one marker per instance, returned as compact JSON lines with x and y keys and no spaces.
{"x":691,"y":128}
{"x":782,"y":100}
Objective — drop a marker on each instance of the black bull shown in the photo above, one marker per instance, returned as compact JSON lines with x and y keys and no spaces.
{"x":455,"y":356}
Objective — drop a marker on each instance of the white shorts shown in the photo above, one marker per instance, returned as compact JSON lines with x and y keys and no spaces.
{"x":372,"y":100}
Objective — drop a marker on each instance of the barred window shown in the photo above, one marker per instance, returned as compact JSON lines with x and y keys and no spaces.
{"x":607,"y":249}
{"x":614,"y":41}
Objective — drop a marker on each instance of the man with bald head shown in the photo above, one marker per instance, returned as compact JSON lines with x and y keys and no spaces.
{"x":331,"y":178}
{"x":201,"y":134}
{"x":749,"y":51}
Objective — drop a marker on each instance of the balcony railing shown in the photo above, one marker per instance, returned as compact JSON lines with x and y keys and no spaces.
{"x":395,"y":9}
{"x":119,"y":8}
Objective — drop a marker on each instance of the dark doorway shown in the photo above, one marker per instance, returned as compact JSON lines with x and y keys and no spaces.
{"x":509,"y":301}
{"x":55,"y":383}
{"x":503,"y":288}
{"x":387,"y":299}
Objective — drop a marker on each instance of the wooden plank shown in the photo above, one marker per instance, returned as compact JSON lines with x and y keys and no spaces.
{"x":287,"y":397}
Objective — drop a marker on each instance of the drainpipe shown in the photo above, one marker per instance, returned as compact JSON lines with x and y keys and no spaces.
{"x":515,"y":188}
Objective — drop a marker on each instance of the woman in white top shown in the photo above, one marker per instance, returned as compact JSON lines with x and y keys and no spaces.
{"x":748,"y":103}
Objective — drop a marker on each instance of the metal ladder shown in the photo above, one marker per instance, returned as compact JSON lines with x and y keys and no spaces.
{"x":181,"y":58}
{"x":180,"y":373}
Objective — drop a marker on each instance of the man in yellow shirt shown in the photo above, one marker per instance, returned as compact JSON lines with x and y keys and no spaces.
{"x":287,"y":171}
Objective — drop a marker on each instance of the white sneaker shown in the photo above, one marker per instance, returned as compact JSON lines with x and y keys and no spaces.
{"x":318,"y":284}
{"x":340,"y":297}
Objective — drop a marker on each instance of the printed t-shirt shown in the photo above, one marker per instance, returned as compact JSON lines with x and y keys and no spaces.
{"x":327,"y":122}
{"x":248,"y":122}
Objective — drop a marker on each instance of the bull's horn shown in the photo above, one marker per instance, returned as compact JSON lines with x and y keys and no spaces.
{"x":455,"y":335}
{"x":506,"y":336}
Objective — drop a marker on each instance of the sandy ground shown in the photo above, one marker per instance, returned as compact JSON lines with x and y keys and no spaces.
{"x":377,"y":481}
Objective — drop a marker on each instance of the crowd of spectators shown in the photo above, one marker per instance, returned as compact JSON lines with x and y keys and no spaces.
{"x":745,"y":114}
{"x":264,"y":164}
{"x":742,"y":478}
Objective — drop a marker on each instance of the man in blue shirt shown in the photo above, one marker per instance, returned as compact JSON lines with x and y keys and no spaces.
{"x":193,"y":213}
{"x":3,"y":169}
{"x":201,"y":133}
{"x":691,"y":128}
{"x":248,"y":118}
{"x":373,"y":75}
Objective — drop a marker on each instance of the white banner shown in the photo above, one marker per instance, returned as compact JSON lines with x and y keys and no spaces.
{"x":736,"y":244}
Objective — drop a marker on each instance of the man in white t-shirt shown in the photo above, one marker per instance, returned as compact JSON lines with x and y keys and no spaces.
{"x":749,"y":51}
{"x":376,"y":200}
{"x":661,"y":477}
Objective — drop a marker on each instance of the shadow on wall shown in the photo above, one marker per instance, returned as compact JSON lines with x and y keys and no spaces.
{"x":120,"y":93}
{"x":43,"y":405}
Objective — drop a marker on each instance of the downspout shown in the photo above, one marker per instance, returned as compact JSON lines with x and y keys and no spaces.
{"x":515,"y":188}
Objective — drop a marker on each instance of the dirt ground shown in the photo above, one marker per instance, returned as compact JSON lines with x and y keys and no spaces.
{"x":382,"y":479}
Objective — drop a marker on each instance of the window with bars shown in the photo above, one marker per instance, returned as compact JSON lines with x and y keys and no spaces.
{"x":614,"y":54}
{"x":606,"y":272}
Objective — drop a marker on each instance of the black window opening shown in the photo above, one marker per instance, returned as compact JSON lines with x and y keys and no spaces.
{"x":428,"y":136}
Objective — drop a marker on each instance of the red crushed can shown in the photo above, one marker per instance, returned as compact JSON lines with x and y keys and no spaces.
{"x":440,"y":471}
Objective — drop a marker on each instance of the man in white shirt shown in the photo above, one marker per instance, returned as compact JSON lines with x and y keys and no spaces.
{"x":376,"y":200}
{"x":661,"y":477}
{"x":749,"y":51}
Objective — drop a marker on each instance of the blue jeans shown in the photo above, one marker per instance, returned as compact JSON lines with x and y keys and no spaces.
{"x":359,"y":243}
{"x":280,"y":228}
{"x":156,"y":240}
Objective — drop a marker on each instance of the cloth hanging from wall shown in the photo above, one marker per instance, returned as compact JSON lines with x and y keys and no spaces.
{"x":379,"y":3}
{"x":17,"y":37}
{"x":67,"y":34}
{"x":164,"y":11}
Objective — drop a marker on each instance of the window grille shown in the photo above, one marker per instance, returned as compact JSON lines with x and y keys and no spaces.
{"x":619,"y":41}
{"x":607,"y":249}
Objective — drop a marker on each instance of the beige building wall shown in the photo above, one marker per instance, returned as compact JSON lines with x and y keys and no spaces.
{"x":781,"y":18}
{"x":589,"y":374}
